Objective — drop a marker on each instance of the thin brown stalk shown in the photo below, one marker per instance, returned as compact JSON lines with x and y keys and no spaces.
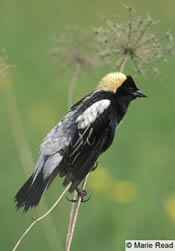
{"x":25,"y":154}
{"x":73,"y":216}
{"x":40,"y":218}
{"x":73,"y":83}
{"x":75,"y":195}
{"x":123,"y":62}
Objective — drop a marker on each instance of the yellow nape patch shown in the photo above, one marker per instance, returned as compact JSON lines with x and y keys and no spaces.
{"x":111,"y":82}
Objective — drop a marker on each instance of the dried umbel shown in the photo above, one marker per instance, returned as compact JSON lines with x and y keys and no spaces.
{"x":133,"y":39}
{"x":74,"y":46}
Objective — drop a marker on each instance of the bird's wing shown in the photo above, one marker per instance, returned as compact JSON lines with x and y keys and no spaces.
{"x":80,"y":115}
{"x":87,"y":143}
{"x":54,"y":144}
{"x":60,"y":136}
{"x":65,"y":148}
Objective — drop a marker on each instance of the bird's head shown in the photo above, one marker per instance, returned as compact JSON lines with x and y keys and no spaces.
{"x":121,"y":85}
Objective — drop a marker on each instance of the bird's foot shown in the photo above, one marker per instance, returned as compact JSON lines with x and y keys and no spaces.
{"x":81,"y":194}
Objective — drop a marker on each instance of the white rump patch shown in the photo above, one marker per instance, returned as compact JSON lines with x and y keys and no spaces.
{"x":47,"y":167}
{"x":51,"y":163}
{"x":91,"y":113}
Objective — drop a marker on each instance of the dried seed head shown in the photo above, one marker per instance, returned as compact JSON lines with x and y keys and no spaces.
{"x":134,"y":39}
{"x":74,"y":46}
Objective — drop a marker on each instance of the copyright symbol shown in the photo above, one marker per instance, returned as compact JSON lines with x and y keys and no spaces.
{"x":128,"y":244}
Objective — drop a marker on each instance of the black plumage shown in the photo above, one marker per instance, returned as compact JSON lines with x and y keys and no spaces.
{"x":72,"y":147}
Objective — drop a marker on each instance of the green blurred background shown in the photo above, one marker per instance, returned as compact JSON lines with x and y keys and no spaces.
{"x":133,"y":190}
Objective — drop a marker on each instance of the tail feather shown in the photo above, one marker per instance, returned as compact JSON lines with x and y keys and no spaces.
{"x":31,"y":192}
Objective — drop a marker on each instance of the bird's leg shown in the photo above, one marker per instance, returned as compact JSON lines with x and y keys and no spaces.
{"x":94,"y":166}
{"x":82,"y":194}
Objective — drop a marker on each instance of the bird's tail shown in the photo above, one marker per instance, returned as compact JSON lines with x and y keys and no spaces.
{"x":31,"y":192}
{"x":47,"y":168}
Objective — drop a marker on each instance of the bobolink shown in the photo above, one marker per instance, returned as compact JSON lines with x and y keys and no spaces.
{"x":72,"y":147}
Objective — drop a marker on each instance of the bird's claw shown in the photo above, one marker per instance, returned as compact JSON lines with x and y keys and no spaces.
{"x":71,"y":200}
{"x":81,"y":194}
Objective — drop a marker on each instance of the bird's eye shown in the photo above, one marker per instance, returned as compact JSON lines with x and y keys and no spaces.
{"x":130,"y":89}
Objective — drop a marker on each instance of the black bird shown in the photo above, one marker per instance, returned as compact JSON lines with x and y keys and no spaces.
{"x":72,"y":147}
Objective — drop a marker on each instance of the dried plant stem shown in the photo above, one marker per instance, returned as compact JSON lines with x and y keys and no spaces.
{"x":25,"y":154}
{"x":123,"y":62}
{"x":76,"y":206}
{"x":73,"y":83}
{"x":40,"y":218}
{"x":73,"y":216}
{"x":72,"y":211}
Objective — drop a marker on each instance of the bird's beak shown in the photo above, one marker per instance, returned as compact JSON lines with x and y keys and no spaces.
{"x":139,"y":94}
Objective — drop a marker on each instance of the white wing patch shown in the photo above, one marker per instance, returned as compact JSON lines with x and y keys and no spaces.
{"x":91,"y":113}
